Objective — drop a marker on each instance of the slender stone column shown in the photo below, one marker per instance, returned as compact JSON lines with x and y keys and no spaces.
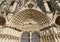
{"x":2,"y":39}
{"x":47,"y":39}
{"x":46,"y":6}
{"x":14,"y":6}
{"x":47,"y":33}
{"x":13,"y":9}
{"x":51,"y":39}
{"x":48,"y":11}
{"x":41,"y":40}
{"x":30,"y":36}
{"x":10,"y":8}
{"x":55,"y":38}
{"x":44,"y":39}
{"x":6,"y":39}
{"x":17,"y":40}
{"x":41,"y":37}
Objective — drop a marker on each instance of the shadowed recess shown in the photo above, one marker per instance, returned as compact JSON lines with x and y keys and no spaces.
{"x":57,"y":21}
{"x":2,"y":20}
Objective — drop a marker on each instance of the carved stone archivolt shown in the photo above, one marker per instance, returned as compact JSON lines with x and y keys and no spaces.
{"x":23,"y":20}
{"x":30,"y":18}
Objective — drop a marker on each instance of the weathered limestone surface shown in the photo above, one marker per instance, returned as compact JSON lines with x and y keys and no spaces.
{"x":25,"y":21}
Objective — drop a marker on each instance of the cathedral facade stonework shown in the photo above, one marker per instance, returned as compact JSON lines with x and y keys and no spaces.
{"x":30,"y":21}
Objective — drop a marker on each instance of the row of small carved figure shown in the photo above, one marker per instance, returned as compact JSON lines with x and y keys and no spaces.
{"x":51,"y":38}
{"x":8,"y":36}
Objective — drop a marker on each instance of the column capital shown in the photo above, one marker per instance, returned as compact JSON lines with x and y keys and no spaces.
{"x":31,"y":36}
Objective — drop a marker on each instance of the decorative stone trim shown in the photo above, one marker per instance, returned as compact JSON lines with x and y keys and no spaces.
{"x":9,"y":36}
{"x":49,"y":35}
{"x":13,"y":28}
